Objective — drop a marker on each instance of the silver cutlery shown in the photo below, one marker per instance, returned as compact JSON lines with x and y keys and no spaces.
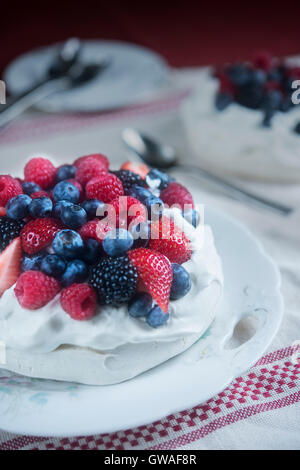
{"x":165,"y":157}
{"x":65,"y":72}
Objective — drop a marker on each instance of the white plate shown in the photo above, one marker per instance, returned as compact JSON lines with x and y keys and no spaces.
{"x":134,"y":73}
{"x":252,"y":282}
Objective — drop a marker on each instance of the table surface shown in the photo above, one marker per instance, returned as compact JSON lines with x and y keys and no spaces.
{"x":259,"y":410}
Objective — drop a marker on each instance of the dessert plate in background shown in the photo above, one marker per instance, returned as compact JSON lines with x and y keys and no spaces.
{"x":134,"y":73}
{"x":233,"y":142}
{"x":251,"y":288}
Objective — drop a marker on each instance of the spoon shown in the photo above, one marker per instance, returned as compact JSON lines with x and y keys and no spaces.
{"x":164,"y":157}
{"x":64,"y":73}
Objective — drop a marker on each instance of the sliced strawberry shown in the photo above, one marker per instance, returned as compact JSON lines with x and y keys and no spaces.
{"x":155,"y":273}
{"x":10,"y":265}
{"x":96,"y":229}
{"x":139,"y":168}
{"x":128,"y":212}
{"x":169,"y":240}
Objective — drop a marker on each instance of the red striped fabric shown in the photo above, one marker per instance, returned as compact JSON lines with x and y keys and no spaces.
{"x":273,"y":383}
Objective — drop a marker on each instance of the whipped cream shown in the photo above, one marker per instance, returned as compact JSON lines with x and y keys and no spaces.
{"x":112,"y":346}
{"x":234,"y":142}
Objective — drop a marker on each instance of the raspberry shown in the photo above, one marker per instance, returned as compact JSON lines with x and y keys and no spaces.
{"x":40,"y":194}
{"x":79,"y":187}
{"x":40,"y":171}
{"x":88,"y":169}
{"x":138,"y":168}
{"x":106,"y":188}
{"x":9,"y":187}
{"x":175,"y":193}
{"x":169,"y":240}
{"x":262,"y":60}
{"x":129,"y":211}
{"x":38,"y":234}
{"x":98,"y":156}
{"x":114,"y":279}
{"x":35,"y":289}
{"x":79,"y":301}
{"x":9,"y":230}
{"x":96,"y":229}
{"x":129,"y":179}
{"x":155,"y":274}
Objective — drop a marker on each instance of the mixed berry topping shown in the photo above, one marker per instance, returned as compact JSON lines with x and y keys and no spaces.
{"x":264,"y":84}
{"x":94,"y":237}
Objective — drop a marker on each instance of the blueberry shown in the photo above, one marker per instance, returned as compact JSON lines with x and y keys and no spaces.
{"x":158,"y":179}
{"x":65,"y":191}
{"x":29,"y":188}
{"x":181,"y":283}
{"x":272,"y":100}
{"x":191,"y":216}
{"x":53,"y":265}
{"x":41,"y":207}
{"x":65,"y":172}
{"x":73,"y":216}
{"x":91,"y":206}
{"x":267,"y":119}
{"x":92,"y":251}
{"x":59,"y":206}
{"x":139,"y":193}
{"x":297,"y":128}
{"x":250,"y":95}
{"x":17,"y":207}
{"x":68,"y":244}
{"x":117,"y":242}
{"x":157,"y":317}
{"x":141,"y":234}
{"x":223,"y":100}
{"x":140,"y":305}
{"x":154,"y":205}
{"x":239,"y":74}
{"x":258,"y":77}
{"x":32,"y":263}
{"x":76,"y":272}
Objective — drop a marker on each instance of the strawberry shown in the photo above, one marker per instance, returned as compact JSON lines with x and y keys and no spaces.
{"x":169,"y":240}
{"x":2,"y":211}
{"x":155,"y":274}
{"x":128,"y":211}
{"x":88,"y":169}
{"x":177,"y":194}
{"x":97,"y":156}
{"x":105,"y":188}
{"x":9,"y":187}
{"x":38,"y":234}
{"x":79,"y":301}
{"x":139,"y":168}
{"x":10,"y":265}
{"x":35,"y":289}
{"x":40,"y":171}
{"x":96,"y":229}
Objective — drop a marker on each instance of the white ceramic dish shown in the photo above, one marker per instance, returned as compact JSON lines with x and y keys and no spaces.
{"x":133,"y":73}
{"x":252,"y":287}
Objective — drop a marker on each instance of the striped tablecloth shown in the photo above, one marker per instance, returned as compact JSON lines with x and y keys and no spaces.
{"x":259,"y":410}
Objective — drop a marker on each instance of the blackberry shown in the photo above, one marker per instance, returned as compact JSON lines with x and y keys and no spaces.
{"x":9,"y":230}
{"x":129,"y":179}
{"x":114,"y":279}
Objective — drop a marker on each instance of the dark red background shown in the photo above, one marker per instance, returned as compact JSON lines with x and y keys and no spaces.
{"x":185,"y":32}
